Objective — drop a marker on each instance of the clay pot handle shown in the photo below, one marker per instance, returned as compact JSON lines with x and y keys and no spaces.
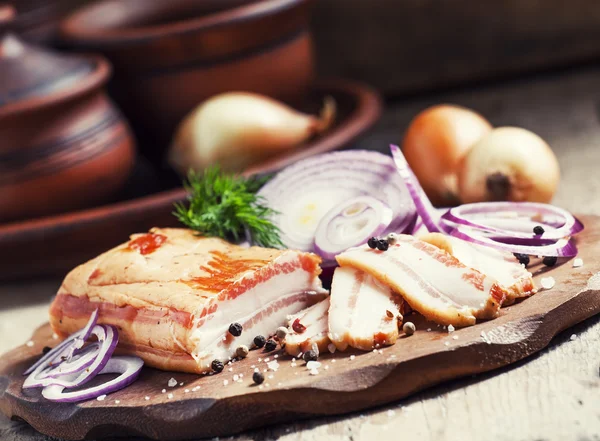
{"x":7,"y":16}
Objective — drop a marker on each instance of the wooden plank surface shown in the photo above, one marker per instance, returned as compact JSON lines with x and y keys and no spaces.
{"x":409,"y":45}
{"x":552,"y":396}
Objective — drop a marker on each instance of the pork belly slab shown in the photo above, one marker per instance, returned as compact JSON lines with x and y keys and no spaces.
{"x":173,"y":294}
{"x":432,"y":282}
{"x":364,"y":313}
{"x":501,"y":265}
{"x":308,"y":329}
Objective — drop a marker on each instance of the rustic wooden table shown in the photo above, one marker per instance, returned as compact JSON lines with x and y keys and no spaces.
{"x":554,"y":395}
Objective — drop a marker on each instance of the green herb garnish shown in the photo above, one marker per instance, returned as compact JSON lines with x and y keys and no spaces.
{"x":226,"y":206}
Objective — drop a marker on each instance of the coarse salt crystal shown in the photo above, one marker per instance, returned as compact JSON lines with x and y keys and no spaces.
{"x":253,"y":366}
{"x":196,"y":388}
{"x":352,"y":357}
{"x":236,"y":377}
{"x":147,"y":398}
{"x":314,"y":372}
{"x":573,"y":337}
{"x":55,"y":336}
{"x":455,"y":337}
{"x":181,"y":384}
{"x":428,"y":329}
{"x":447,"y":343}
{"x":275,"y":356}
{"x":375,"y":351}
{"x":292,"y":364}
{"x":29,"y":343}
{"x":331,"y":348}
{"x":273,"y":365}
{"x":259,"y":359}
{"x":270,"y":377}
{"x":260,"y":387}
{"x":101,"y":397}
{"x":326,"y":366}
{"x":163,"y":391}
{"x":256,"y":369}
{"x":380,"y":351}
{"x":577,"y":262}
{"x":117,"y":401}
{"x":450,"y":329}
{"x":333,"y":361}
{"x":172,"y":382}
{"x":313,"y":365}
{"x":267,"y":360}
{"x":186,"y":391}
{"x":230,"y":369}
{"x":225,"y":382}
{"x":547,"y":282}
{"x":169,"y":396}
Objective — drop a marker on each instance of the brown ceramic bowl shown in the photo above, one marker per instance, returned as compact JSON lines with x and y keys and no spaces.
{"x":63,"y":144}
{"x":169,"y":56}
{"x":37,"y":20}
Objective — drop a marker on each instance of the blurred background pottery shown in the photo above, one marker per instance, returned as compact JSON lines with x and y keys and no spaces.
{"x":63,"y":144}
{"x":37,"y":20}
{"x":170,"y":55}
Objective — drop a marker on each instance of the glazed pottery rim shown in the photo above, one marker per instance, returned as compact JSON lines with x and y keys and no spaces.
{"x":367,"y":110}
{"x":93,"y":81}
{"x":74,"y":32}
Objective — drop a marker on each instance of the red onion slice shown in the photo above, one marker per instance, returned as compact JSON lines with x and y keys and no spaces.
{"x":77,"y":363}
{"x":107,"y":337}
{"x":64,"y":348}
{"x":305,"y":192}
{"x":495,"y":217}
{"x":128,"y":367}
{"x":351,"y":223}
{"x":428,"y":213}
{"x":86,"y":332}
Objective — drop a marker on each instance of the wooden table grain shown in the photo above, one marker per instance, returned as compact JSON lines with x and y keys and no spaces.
{"x":554,"y":395}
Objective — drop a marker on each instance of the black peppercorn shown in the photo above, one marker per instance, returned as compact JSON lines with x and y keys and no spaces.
{"x":522,"y":258}
{"x":310,"y":356}
{"x":382,"y":245}
{"x":550,"y":260}
{"x":538,"y":229}
{"x":217,"y":366}
{"x":270,"y":345}
{"x":258,"y":378}
{"x":259,"y":341}
{"x":46,"y":349}
{"x":372,"y":242}
{"x":235,"y":329}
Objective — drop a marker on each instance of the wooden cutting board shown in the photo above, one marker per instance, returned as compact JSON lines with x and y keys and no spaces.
{"x":229,"y":402}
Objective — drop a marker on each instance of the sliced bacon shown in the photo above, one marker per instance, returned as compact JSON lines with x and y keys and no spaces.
{"x":433,"y":282}
{"x":364,"y":313}
{"x":314,"y":320}
{"x":502,"y":266}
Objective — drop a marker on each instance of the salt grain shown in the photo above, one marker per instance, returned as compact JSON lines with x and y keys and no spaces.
{"x":428,"y":329}
{"x":230,"y":369}
{"x":352,"y":357}
{"x":29,"y":343}
{"x":450,"y":329}
{"x":548,"y":282}
{"x":455,"y":337}
{"x":313,"y":365}
{"x":577,"y":263}
{"x":147,"y":398}
{"x":326,"y":366}
{"x":196,"y":388}
{"x":236,"y":377}
{"x":267,"y":360}
{"x":447,"y":343}
{"x":163,"y":391}
{"x":333,"y":361}
{"x":181,"y":384}
{"x":256,"y":369}
{"x":101,"y":398}
{"x":172,"y":382}
{"x":573,"y":337}
{"x":117,"y":401}
{"x":170,"y":396}
{"x":187,"y":391}
{"x":225,"y":382}
{"x":273,"y":365}
{"x":55,"y":336}
{"x":270,"y":377}
{"x":331,"y":348}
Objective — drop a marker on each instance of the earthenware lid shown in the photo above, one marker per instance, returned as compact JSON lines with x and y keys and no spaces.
{"x":29,"y":73}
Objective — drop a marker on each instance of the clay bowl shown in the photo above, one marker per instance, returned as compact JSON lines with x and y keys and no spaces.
{"x":170,"y":56}
{"x":63,"y":144}
{"x":56,"y":244}
{"x":38,"y":20}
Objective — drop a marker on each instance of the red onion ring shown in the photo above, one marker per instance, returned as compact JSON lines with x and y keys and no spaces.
{"x":78,"y":362}
{"x":351,"y":223}
{"x":128,"y":367}
{"x":107,"y":337}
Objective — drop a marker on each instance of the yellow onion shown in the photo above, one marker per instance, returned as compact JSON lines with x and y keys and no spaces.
{"x":509,"y":164}
{"x":238,"y":129}
{"x":434,"y":144}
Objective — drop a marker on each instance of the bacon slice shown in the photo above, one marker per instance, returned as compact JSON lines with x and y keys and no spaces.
{"x":364,"y":313}
{"x":432,"y":281}
{"x":312,"y":330}
{"x":173,"y":294}
{"x":502,"y":266}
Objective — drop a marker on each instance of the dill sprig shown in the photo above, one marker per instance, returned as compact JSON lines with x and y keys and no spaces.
{"x":226,"y":206}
